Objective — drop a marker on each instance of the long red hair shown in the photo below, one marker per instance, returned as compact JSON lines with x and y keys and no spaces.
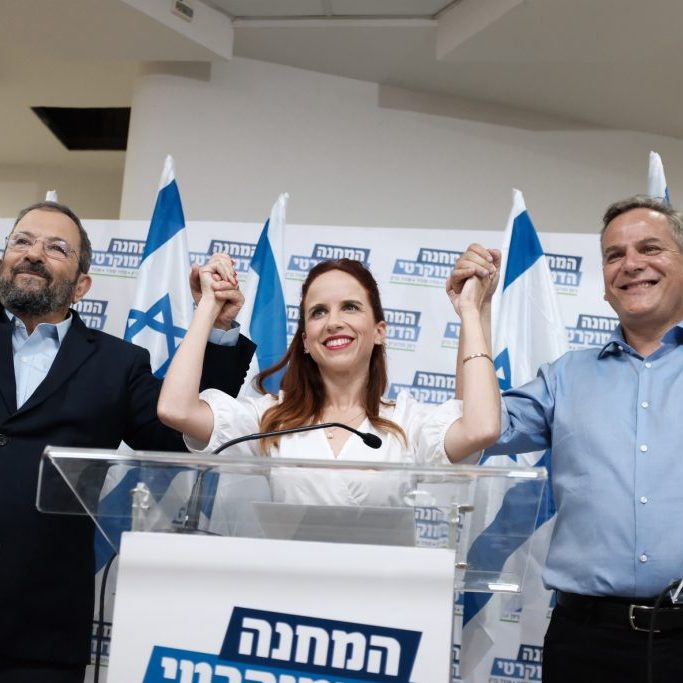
{"x":304,"y":392}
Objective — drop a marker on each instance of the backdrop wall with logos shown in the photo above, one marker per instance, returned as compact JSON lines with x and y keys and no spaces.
{"x":411,"y":267}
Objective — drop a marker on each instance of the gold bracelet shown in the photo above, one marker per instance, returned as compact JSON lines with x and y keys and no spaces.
{"x":476,"y":355}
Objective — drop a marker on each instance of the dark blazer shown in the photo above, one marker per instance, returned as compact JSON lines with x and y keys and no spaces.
{"x":99,"y":391}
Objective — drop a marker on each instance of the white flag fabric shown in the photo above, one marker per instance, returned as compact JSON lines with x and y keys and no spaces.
{"x":162,"y":309}
{"x":528,"y":332}
{"x":263,"y":317}
{"x":656,"y":181}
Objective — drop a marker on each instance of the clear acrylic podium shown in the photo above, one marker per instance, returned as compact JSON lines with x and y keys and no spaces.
{"x":482,"y":515}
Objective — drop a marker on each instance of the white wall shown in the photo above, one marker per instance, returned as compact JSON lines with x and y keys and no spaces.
{"x":93,"y":193}
{"x":354,"y":153}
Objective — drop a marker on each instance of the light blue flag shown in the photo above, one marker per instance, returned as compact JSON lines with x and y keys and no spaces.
{"x":656,"y":181}
{"x":264,"y":315}
{"x":162,"y":310}
{"x":528,"y":332}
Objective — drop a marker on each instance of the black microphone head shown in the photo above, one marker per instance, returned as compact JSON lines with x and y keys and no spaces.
{"x":371,"y":440}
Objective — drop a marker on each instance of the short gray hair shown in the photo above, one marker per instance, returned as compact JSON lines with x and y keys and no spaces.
{"x":85,"y":255}
{"x":641,"y":201}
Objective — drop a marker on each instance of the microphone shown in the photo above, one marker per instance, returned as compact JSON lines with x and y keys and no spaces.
{"x":191,"y":522}
{"x":371,"y":440}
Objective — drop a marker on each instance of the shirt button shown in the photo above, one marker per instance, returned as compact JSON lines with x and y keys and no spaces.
{"x":644,"y":404}
{"x":643,"y":558}
{"x":3,"y":439}
{"x":643,"y":499}
{"x":648,"y":364}
{"x":643,"y":448}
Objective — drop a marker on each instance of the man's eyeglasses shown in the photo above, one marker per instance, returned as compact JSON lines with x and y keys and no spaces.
{"x":56,"y":249}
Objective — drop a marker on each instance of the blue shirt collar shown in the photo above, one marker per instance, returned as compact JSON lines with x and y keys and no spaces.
{"x":57,"y":330}
{"x":617,"y":343}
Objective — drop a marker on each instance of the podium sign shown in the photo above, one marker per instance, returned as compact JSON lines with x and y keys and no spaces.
{"x":238,"y":610}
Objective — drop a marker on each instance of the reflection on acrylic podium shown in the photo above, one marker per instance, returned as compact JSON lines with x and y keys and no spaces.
{"x":245,"y":570}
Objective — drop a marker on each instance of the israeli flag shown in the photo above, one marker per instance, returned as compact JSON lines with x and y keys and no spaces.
{"x":656,"y":181}
{"x":158,"y":321}
{"x":163,"y":306}
{"x":528,"y":332}
{"x":264,"y":315}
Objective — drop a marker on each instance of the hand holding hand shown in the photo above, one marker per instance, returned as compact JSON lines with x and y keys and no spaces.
{"x":471,"y":297}
{"x":476,"y":261}
{"x":217,"y":282}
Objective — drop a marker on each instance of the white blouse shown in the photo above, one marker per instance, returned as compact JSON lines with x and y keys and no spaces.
{"x":425,"y":427}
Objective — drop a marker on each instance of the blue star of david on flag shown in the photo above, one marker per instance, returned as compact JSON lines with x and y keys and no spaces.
{"x":158,"y":318}
{"x":502,"y":367}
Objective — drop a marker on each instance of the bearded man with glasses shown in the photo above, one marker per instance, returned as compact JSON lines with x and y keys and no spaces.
{"x":42,"y":274}
{"x":64,"y":384}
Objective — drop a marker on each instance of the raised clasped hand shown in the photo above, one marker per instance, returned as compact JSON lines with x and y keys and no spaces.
{"x":476,"y":261}
{"x":474,"y":278}
{"x":471,"y":296}
{"x":217,"y":281}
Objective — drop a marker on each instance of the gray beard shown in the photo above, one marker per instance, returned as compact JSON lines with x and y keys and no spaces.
{"x":50,"y":298}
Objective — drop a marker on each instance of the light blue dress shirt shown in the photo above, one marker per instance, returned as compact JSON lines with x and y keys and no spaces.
{"x":35,"y":353}
{"x":614,"y":421}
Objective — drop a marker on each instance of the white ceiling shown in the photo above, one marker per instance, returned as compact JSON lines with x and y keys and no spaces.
{"x":289,"y":9}
{"x":605,"y":63}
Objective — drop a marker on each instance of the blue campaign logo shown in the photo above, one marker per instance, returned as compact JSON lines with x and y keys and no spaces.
{"x":455,"y":675}
{"x":92,"y":312}
{"x":241,"y":253}
{"x":451,"y":335}
{"x":527,"y":667}
{"x":458,"y":603}
{"x":292,"y":321}
{"x":513,"y":614}
{"x":275,"y":647}
{"x":105,"y":641}
{"x":300,"y":264}
{"x":591,"y":331}
{"x":566,"y":272}
{"x":122,"y":258}
{"x":403,"y":328}
{"x":430,"y":268}
{"x":427,"y":387}
{"x":432,"y":526}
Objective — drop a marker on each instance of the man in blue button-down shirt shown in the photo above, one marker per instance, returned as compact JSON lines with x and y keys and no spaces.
{"x":62,"y":383}
{"x":613,"y":418}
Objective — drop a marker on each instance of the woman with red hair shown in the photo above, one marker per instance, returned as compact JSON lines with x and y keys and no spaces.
{"x":335,"y":371}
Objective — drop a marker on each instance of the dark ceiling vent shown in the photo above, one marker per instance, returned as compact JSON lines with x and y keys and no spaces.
{"x":94,"y":128}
